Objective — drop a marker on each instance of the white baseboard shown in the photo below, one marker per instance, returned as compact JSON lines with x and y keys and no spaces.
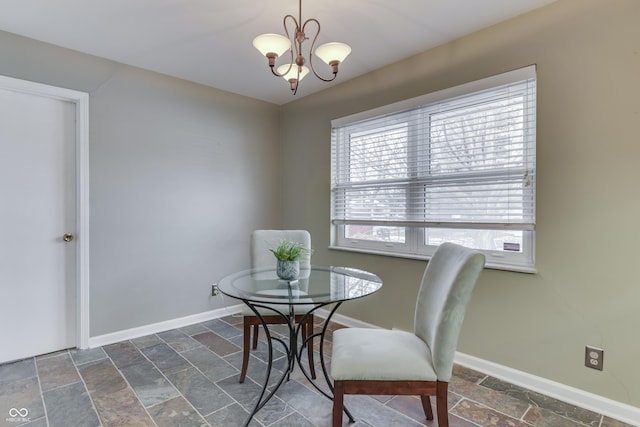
{"x":141,"y":331}
{"x":344,"y":320}
{"x":580,"y":398}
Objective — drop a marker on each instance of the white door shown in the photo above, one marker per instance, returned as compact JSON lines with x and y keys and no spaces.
{"x":37,"y":208}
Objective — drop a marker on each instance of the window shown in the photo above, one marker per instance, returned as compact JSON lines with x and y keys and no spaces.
{"x":457,"y":165}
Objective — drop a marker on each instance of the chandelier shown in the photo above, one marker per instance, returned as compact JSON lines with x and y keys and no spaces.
{"x":275,"y":45}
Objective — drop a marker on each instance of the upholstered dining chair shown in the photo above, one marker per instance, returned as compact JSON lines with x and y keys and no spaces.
{"x":262,"y":257}
{"x":395,"y":362}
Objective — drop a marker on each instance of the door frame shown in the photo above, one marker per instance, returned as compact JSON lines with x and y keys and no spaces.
{"x":81,"y":101}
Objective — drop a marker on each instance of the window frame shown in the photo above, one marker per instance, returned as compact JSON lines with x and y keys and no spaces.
{"x":415,"y":245}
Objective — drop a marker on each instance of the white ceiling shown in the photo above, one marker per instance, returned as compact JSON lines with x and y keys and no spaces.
{"x":209,"y":41}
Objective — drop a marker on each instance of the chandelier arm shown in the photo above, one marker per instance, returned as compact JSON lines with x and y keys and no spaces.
{"x":295,"y":90}
{"x":313,"y":43}
{"x":286,"y":31}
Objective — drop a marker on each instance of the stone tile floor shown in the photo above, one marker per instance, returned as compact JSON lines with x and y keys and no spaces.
{"x":189,"y":377}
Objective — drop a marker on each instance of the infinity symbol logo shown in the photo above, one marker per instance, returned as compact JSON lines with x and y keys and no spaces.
{"x":23,"y":412}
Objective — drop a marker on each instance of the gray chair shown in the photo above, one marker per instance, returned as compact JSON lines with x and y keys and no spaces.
{"x":394,"y":362}
{"x":262,"y":257}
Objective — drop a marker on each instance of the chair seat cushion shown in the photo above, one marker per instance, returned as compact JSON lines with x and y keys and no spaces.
{"x":283,"y":308}
{"x":380,"y":354}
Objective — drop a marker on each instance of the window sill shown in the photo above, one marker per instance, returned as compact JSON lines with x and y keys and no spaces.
{"x":489,"y":264}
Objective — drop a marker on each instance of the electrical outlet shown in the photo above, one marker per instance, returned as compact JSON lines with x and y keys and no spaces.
{"x":593,"y":357}
{"x":214,"y":290}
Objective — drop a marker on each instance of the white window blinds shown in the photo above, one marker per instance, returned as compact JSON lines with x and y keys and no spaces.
{"x":462,"y":161}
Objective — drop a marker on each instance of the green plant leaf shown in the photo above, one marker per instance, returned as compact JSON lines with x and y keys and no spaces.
{"x":288,"y":250}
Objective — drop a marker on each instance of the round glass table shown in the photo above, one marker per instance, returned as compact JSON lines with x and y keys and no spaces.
{"x":316,"y":287}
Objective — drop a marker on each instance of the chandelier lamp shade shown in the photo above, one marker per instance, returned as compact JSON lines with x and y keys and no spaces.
{"x":274,"y":46}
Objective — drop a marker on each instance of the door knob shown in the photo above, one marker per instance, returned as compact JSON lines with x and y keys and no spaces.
{"x":67,"y":237}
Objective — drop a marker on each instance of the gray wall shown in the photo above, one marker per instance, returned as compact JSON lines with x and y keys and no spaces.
{"x":587,"y":289}
{"x":180,"y":174}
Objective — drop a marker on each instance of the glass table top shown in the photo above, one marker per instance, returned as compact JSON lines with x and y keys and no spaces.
{"x":316,"y":285}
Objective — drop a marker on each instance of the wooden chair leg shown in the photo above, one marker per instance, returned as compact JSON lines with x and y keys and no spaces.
{"x":256,"y":331}
{"x":338,"y":403}
{"x":441,"y":404}
{"x":245,"y":348}
{"x":309,"y":331}
{"x":426,"y":406}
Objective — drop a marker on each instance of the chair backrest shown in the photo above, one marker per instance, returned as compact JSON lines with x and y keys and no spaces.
{"x":444,"y":295}
{"x":263,"y":240}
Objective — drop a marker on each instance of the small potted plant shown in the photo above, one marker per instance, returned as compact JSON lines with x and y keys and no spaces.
{"x":288,"y":254}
